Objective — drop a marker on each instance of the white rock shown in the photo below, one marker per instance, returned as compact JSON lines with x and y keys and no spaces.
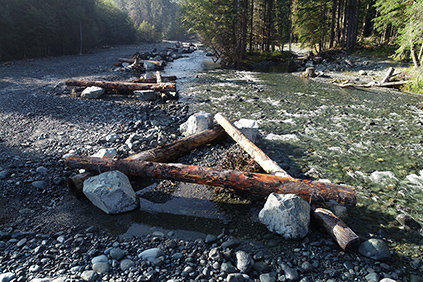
{"x":111,"y":192}
{"x":151,"y":254}
{"x":7,"y":276}
{"x":248,"y":127}
{"x":92,"y":92}
{"x":287,"y":215}
{"x":109,"y":153}
{"x":197,"y":123}
{"x":146,"y":95}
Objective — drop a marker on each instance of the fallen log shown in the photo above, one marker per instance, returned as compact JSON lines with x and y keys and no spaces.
{"x":255,"y":152}
{"x":387,"y":75}
{"x":337,"y":229}
{"x":161,"y":87}
{"x":256,"y":183}
{"x":154,"y":79}
{"x":163,"y":153}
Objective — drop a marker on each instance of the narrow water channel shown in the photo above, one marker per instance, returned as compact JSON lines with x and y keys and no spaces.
{"x":372,"y":140}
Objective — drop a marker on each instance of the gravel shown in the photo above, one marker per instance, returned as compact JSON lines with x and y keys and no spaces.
{"x":46,"y":234}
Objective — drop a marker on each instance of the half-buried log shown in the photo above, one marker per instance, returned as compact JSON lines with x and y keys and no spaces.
{"x":162,"y":153}
{"x":255,"y":152}
{"x":256,"y":183}
{"x":130,"y":86}
{"x":154,"y":79}
{"x":338,"y":230}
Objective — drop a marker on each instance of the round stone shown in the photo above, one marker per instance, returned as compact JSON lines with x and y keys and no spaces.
{"x":101,"y":267}
{"x":117,"y":253}
{"x":126,"y":264}
{"x":89,"y":275}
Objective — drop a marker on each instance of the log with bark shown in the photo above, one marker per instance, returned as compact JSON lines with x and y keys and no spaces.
{"x":129,"y":86}
{"x":163,"y":153}
{"x":337,"y":229}
{"x":154,"y":79}
{"x":256,"y":183}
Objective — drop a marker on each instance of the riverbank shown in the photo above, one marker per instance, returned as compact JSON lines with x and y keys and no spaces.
{"x":47,"y":233}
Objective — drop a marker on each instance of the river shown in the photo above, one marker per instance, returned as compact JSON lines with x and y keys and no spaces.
{"x":369,"y":139}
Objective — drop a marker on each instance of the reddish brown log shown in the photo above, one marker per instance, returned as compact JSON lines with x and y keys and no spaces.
{"x":124,"y":85}
{"x":256,"y":183}
{"x":337,"y":229}
{"x":163,"y":153}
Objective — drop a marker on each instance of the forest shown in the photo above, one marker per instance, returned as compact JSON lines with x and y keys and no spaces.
{"x":37,"y":28}
{"x":231,"y":29}
{"x":234,"y":28}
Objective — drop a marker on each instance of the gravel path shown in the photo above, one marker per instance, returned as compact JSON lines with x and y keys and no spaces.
{"x":46,"y":234}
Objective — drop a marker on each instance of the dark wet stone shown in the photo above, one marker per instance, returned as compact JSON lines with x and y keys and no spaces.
{"x":408,"y":222}
{"x":375,"y":249}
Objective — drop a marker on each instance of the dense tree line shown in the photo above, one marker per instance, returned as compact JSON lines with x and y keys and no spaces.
{"x":154,"y":19}
{"x":231,"y":28}
{"x":33,"y":28}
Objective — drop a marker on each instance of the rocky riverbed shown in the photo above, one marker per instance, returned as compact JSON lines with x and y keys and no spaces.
{"x":46,"y":234}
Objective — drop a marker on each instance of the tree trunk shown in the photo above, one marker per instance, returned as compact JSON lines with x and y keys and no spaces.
{"x":332,"y":25}
{"x":163,"y":153}
{"x":414,"y":55}
{"x":255,"y":152}
{"x":255,"y":183}
{"x":124,"y":85}
{"x":339,"y":231}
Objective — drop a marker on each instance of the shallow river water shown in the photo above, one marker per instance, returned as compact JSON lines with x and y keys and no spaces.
{"x":372,"y":140}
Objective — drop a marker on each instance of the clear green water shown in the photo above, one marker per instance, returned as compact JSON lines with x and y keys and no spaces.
{"x":372,"y":140}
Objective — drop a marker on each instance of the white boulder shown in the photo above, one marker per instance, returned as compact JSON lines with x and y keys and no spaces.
{"x":197,"y":123}
{"x":287,"y":215}
{"x":92,"y":92}
{"x":111,"y":192}
{"x":248,"y":127}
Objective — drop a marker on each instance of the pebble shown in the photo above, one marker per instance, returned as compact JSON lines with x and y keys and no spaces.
{"x":39,"y":184}
{"x":89,"y":275}
{"x":126,"y":264}
{"x":116,"y":253}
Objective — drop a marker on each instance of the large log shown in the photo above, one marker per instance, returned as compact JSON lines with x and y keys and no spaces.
{"x":154,"y":79}
{"x":162,"y":153}
{"x":255,"y":152}
{"x":387,"y":76}
{"x":256,"y":183}
{"x":337,"y":229}
{"x":124,"y":85}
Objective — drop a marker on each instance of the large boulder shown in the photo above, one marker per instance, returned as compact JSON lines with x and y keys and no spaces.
{"x":248,"y":127}
{"x":92,"y":92}
{"x":197,"y":123}
{"x":375,"y":249}
{"x":111,"y":192}
{"x":287,"y":215}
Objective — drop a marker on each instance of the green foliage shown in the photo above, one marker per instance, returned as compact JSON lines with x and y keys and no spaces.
{"x":147,"y":32}
{"x":33,"y":28}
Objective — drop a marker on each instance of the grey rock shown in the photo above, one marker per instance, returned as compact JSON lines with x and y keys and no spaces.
{"x":260,"y":266}
{"x":215,"y":254}
{"x":375,"y":249}
{"x":287,"y":215}
{"x":408,"y":222}
{"x":248,"y":127}
{"x":89,"y":275}
{"x":387,"y":280}
{"x":7,"y":276}
{"x":415,"y":278}
{"x":307,"y":267}
{"x":149,"y":66}
{"x":235,"y":277}
{"x":112,"y":138}
{"x":227,"y":267}
{"x":210,"y":238}
{"x":151,"y":254}
{"x":372,"y":277}
{"x":116,"y":253}
{"x":42,"y":170}
{"x":267,"y":277}
{"x":146,"y":95}
{"x":231,"y":243}
{"x":197,"y":123}
{"x":39,"y":184}
{"x":92,"y":92}
{"x":243,"y":261}
{"x":101,"y":267}
{"x":126,"y":264}
{"x":109,"y":153}
{"x":111,"y":192}
{"x":4,"y":174}
{"x":101,"y":258}
{"x":34,"y":268}
{"x":21,"y":243}
{"x":290,"y":273}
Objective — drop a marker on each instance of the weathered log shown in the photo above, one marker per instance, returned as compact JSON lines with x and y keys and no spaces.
{"x":256,"y":183}
{"x":158,"y":77}
{"x":337,"y":229}
{"x":124,"y":85}
{"x":154,"y":80}
{"x":387,"y":75}
{"x":163,"y":153}
{"x":255,"y":152}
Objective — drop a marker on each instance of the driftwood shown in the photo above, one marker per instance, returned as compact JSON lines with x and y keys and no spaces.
{"x":163,"y":153}
{"x":387,"y":75}
{"x":256,"y":183}
{"x":255,"y":152}
{"x":383,"y":83}
{"x":338,"y":230}
{"x":154,"y":79}
{"x":161,"y":87}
